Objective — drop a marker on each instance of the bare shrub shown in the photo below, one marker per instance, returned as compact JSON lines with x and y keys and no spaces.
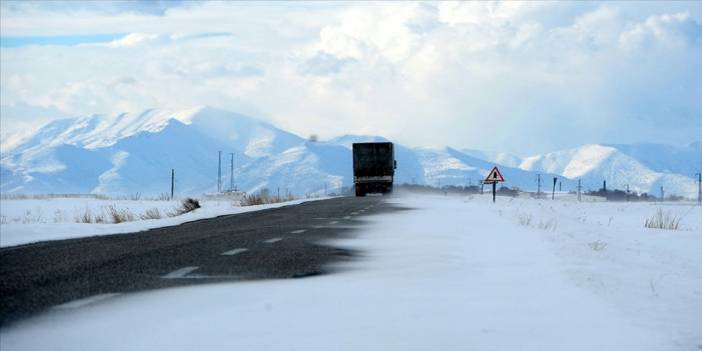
{"x":187,"y":205}
{"x":119,"y":216}
{"x":27,"y":217}
{"x":136,"y":196}
{"x":59,"y":216}
{"x":663,"y":220}
{"x":524,"y":219}
{"x":152,"y":213}
{"x":84,"y":217}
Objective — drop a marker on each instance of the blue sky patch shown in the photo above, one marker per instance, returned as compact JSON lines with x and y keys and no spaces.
{"x":59,"y":40}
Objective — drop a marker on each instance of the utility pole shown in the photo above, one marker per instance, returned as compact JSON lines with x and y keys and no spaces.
{"x":604,"y":187}
{"x":662,"y":195}
{"x":172,"y":182}
{"x":579,"y":190}
{"x":219,"y":172}
{"x":627,"y":193}
{"x":231,"y":173}
{"x":560,"y":188}
{"x":699,"y":188}
{"x":538,"y":186}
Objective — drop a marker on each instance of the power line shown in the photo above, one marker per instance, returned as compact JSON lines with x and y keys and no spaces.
{"x":219,"y":172}
{"x":172,"y":182}
{"x":231,"y":173}
{"x":699,"y":188}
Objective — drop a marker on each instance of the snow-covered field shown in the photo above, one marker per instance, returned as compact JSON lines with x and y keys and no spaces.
{"x":25,"y":221}
{"x":455,"y":273}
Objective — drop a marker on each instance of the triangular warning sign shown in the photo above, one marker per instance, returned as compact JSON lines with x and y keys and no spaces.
{"x":494,"y":176}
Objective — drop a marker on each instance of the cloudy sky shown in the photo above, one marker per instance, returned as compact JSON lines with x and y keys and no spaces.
{"x":514,"y":76}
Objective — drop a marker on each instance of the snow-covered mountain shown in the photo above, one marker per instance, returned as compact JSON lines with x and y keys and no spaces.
{"x":128,"y":153}
{"x":503,"y":158}
{"x":622,"y":165}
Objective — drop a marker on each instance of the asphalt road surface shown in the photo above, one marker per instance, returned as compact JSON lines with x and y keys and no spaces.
{"x":286,"y":242}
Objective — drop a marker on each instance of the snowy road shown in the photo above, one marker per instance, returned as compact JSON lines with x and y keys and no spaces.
{"x":451,"y":274}
{"x":275,"y":243}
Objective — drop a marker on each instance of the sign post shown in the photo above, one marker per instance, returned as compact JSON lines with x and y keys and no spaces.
{"x":493,"y":178}
{"x":553,"y":193}
{"x":494,"y":192}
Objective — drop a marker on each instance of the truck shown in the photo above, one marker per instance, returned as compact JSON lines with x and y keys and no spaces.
{"x":373,"y":167}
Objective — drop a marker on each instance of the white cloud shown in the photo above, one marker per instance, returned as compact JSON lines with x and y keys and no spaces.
{"x":671,"y":31}
{"x":511,"y":76}
{"x":132,"y":39}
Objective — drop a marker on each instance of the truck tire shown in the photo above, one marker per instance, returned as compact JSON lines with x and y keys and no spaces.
{"x":388,"y":189}
{"x":360,"y":192}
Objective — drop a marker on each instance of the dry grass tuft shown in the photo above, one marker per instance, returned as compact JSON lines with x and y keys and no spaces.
{"x":152,"y":213}
{"x":663,"y":220}
{"x":120,"y":216}
{"x":84,"y":217}
{"x":262,"y":199}
{"x":549,"y":225}
{"x":597,"y":245}
{"x":524,"y":219}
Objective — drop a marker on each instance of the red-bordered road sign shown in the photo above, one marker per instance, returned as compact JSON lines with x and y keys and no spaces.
{"x":494,"y":176}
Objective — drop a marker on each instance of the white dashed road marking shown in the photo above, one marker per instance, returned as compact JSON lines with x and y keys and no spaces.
{"x":299,"y":231}
{"x":86,"y":301}
{"x":274,"y":240}
{"x":234,"y":252}
{"x":347,"y":217}
{"x":179,"y":273}
{"x":333,"y":222}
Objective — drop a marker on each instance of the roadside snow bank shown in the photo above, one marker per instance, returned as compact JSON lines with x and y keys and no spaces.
{"x":452,"y":274}
{"x":29,"y":220}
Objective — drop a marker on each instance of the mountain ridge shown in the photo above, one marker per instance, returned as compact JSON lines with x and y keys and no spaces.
{"x":134,"y":152}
